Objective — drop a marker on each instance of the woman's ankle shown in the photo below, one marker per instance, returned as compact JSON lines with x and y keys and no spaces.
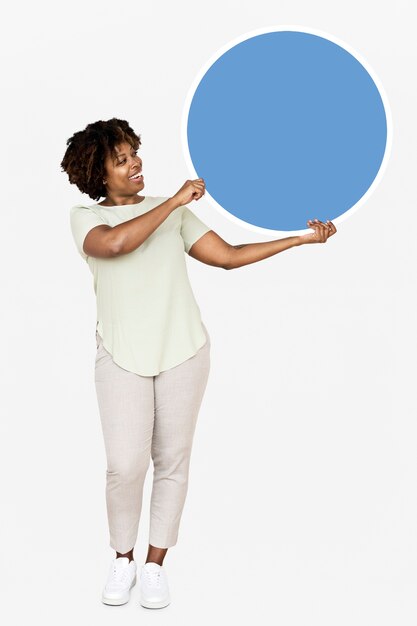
{"x":129,"y":555}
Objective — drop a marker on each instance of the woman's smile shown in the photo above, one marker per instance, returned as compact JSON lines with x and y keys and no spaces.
{"x":137,"y":178}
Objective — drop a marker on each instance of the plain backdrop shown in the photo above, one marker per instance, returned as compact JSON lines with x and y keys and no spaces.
{"x":302,"y":503}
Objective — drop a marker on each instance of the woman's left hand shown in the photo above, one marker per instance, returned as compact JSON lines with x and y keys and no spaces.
{"x":322,"y":231}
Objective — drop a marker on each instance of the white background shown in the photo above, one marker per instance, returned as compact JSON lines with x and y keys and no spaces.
{"x":302,"y":503}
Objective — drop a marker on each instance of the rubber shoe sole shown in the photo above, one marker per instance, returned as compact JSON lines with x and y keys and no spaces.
{"x":147,"y":604}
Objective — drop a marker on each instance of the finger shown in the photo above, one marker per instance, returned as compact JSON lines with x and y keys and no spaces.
{"x":331,"y":231}
{"x":331,"y":227}
{"x":325,"y":229}
{"x":320,"y":230}
{"x":320,"y":223}
{"x":316,"y":222}
{"x":324,"y":233}
{"x":316,"y":234}
{"x":314,"y":227}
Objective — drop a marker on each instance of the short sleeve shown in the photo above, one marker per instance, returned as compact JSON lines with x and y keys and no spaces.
{"x":192,"y":228}
{"x":82,"y":220}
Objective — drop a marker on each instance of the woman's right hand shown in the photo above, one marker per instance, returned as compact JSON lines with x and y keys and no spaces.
{"x":191,"y":190}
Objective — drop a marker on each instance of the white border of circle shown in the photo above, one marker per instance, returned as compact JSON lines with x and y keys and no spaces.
{"x":270,"y":29}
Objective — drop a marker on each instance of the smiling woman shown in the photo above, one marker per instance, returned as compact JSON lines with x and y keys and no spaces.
{"x":151,"y":343}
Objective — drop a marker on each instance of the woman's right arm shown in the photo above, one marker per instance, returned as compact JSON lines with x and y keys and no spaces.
{"x":106,"y":241}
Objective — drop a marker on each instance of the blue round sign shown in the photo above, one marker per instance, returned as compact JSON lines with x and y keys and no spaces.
{"x":286,"y":126}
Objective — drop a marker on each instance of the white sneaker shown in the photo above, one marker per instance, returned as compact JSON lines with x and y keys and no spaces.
{"x":154,"y":592}
{"x":120,"y":580}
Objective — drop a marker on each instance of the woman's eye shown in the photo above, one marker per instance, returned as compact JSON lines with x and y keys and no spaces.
{"x":124,"y":160}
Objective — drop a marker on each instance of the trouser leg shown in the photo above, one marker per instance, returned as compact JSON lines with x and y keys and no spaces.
{"x":178,"y":395}
{"x":126,"y":406}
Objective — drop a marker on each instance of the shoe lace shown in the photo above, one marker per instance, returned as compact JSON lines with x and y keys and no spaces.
{"x":118,"y":575}
{"x":153,"y":578}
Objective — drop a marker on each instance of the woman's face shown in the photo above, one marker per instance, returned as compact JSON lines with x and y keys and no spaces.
{"x":118,"y":178}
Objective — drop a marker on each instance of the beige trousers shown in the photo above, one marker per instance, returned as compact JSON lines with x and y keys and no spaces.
{"x":144,"y":417}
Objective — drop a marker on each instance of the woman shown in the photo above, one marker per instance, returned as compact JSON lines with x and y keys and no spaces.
{"x":153,"y":350}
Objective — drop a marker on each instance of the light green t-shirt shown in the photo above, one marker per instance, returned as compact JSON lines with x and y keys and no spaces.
{"x":147,"y":315}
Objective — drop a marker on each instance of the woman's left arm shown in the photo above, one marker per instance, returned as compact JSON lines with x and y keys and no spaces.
{"x":213,"y":250}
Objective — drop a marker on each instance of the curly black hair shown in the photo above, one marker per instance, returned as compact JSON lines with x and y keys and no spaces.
{"x":87,"y":150}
